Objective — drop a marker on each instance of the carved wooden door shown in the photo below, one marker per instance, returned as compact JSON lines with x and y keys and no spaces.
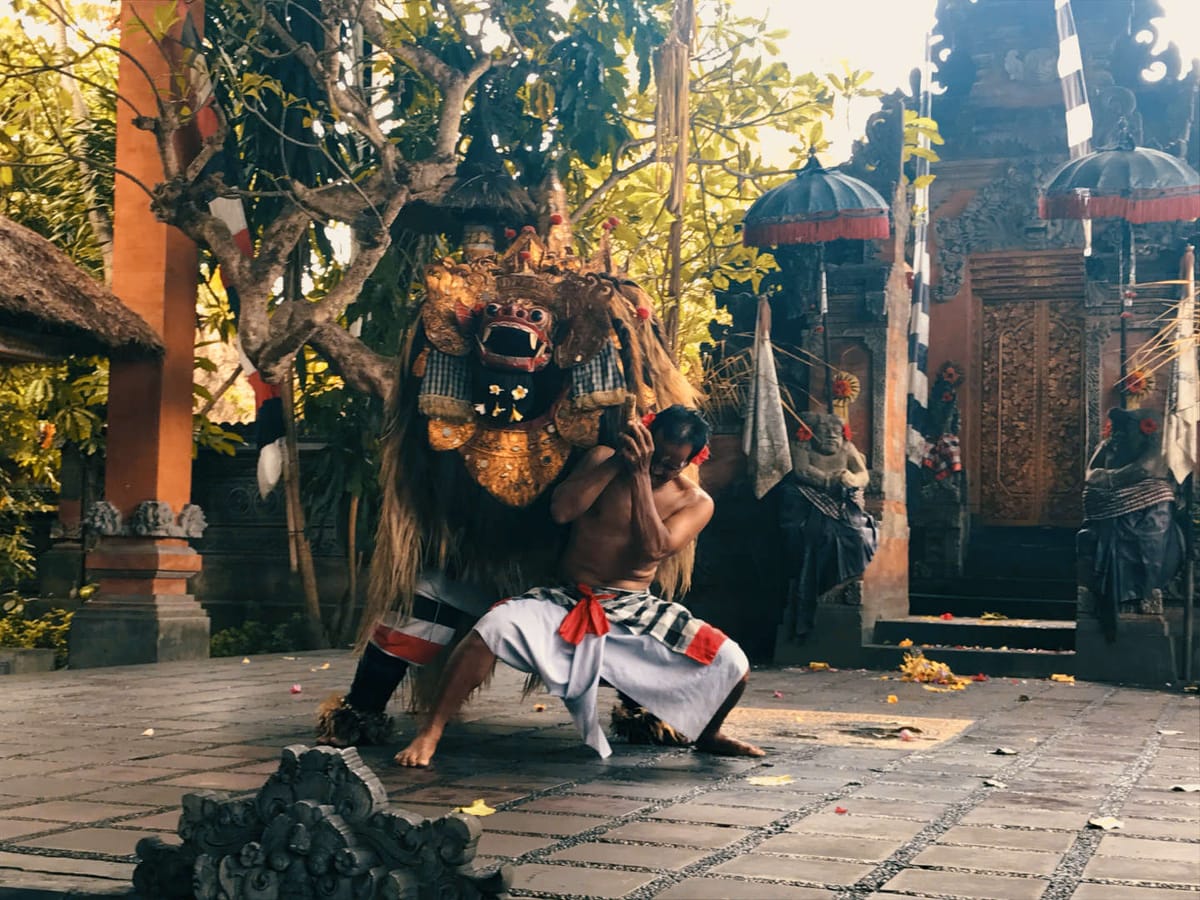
{"x":1031,"y":435}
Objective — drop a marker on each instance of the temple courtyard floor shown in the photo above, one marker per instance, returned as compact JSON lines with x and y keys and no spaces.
{"x":872,"y":787}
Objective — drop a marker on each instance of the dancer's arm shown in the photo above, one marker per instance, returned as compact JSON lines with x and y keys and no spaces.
{"x":584,"y":485}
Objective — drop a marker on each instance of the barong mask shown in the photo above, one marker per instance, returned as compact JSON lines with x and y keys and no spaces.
{"x":522,"y":361}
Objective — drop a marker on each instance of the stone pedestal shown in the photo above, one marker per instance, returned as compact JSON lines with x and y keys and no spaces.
{"x":837,"y":636}
{"x":1142,"y":653}
{"x":142,"y":612}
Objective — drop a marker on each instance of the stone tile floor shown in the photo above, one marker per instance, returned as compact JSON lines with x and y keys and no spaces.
{"x":865,"y":813}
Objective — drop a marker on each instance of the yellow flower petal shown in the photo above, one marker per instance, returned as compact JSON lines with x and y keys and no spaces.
{"x":907,"y":642}
{"x":478,"y":808}
{"x":494,"y":389}
{"x":770,"y":780}
{"x":1065,"y":679}
{"x":892,"y":698}
{"x":818,"y":666}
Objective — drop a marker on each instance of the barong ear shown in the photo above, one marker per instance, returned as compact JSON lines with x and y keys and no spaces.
{"x":454,"y":294}
{"x":581,"y":310}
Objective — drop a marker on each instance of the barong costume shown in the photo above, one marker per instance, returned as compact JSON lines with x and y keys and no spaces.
{"x":656,"y":652}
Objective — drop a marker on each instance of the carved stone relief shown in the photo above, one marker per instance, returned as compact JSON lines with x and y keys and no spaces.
{"x":1001,"y":216}
{"x":151,"y":518}
{"x":321,"y":826}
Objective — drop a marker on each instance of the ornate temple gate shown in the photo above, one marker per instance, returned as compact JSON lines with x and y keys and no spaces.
{"x":1032,"y":412}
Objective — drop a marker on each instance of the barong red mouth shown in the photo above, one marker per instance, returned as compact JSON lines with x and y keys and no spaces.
{"x":508,"y":343}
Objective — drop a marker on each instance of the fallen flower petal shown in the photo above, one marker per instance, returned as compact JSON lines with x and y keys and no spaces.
{"x":149,"y":732}
{"x":840,"y":810}
{"x":245,"y":660}
{"x":946,"y":616}
{"x":539,"y":707}
{"x":323,"y":666}
{"x":1065,"y":679}
{"x":1106,"y":823}
{"x":907,"y":642}
{"x":906,"y":735}
{"x":1004,"y":751}
{"x":818,"y":666}
{"x":992,"y":782}
{"x":296,"y":689}
{"x":778,"y":695}
{"x":289,"y":657}
{"x":478,"y":808}
{"x":979,"y":677}
{"x":769,"y":780}
{"x":892,"y":698}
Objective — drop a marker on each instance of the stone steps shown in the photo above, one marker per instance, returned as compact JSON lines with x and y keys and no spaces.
{"x":994,"y":663}
{"x":971,"y":631}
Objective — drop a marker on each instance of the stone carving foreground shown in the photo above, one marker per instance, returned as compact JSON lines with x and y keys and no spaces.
{"x":321,"y":826}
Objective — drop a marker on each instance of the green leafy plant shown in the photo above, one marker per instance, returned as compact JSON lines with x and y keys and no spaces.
{"x":48,"y":631}
{"x":253,"y":636}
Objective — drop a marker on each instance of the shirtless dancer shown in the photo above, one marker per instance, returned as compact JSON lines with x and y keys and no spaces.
{"x":629,"y":509}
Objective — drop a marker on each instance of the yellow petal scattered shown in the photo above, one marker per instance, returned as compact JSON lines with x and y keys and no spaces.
{"x":149,"y":732}
{"x":323,"y":666}
{"x":917,"y":668}
{"x":907,"y":642}
{"x":539,"y":707}
{"x":1065,"y":679}
{"x":478,"y":808}
{"x":769,"y":780}
{"x":818,"y":666}
{"x":892,"y":698}
{"x":245,"y":660}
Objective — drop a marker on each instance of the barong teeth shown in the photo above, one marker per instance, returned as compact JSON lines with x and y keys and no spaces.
{"x":533,"y":341}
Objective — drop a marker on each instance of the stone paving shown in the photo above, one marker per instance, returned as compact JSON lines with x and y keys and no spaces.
{"x":866,"y":810}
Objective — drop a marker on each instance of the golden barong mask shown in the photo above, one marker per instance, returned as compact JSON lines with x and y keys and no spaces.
{"x":520,"y":365}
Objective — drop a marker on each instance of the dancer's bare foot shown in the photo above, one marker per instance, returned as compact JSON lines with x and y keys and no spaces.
{"x":420,"y":751}
{"x":721,"y":744}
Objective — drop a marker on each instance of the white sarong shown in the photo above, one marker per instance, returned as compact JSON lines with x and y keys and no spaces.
{"x":523,"y":632}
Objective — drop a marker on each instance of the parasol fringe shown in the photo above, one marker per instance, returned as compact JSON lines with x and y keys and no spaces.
{"x":1175,"y":204}
{"x":870,"y":225}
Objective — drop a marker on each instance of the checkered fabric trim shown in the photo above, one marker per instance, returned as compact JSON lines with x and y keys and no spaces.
{"x":446,"y":376}
{"x":643,"y":613}
{"x":1108,"y":504}
{"x":599,"y":375}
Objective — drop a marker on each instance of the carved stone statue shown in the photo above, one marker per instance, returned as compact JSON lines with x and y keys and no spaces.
{"x":828,"y":536}
{"x":1130,"y":537}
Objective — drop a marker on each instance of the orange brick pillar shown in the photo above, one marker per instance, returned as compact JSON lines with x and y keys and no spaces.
{"x":142,"y":611}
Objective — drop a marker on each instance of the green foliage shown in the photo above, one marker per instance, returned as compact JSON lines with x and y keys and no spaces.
{"x":49,"y":631}
{"x":257,"y":637}
{"x":41,"y":408}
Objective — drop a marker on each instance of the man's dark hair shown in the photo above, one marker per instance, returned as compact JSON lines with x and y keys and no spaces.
{"x":680,"y":424}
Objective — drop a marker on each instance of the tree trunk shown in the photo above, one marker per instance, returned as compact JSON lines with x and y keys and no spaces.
{"x":339,"y":628}
{"x":296,"y":529}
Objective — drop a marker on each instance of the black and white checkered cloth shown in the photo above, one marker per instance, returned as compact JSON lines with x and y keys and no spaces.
{"x":446,"y":376}
{"x":1070,"y":73}
{"x":597,"y":378}
{"x":918,"y":322}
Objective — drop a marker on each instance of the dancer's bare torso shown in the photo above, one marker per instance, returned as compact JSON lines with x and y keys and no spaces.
{"x":603,"y":550}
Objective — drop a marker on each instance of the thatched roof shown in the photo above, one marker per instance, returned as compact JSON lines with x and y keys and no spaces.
{"x":48,"y":302}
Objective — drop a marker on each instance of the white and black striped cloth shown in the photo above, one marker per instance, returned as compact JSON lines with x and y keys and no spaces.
{"x":1070,"y":73}
{"x":918,"y":322}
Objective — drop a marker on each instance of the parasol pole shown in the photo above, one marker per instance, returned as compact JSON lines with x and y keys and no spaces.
{"x":1189,"y":494}
{"x":1126,"y":292}
{"x":824,"y":288}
